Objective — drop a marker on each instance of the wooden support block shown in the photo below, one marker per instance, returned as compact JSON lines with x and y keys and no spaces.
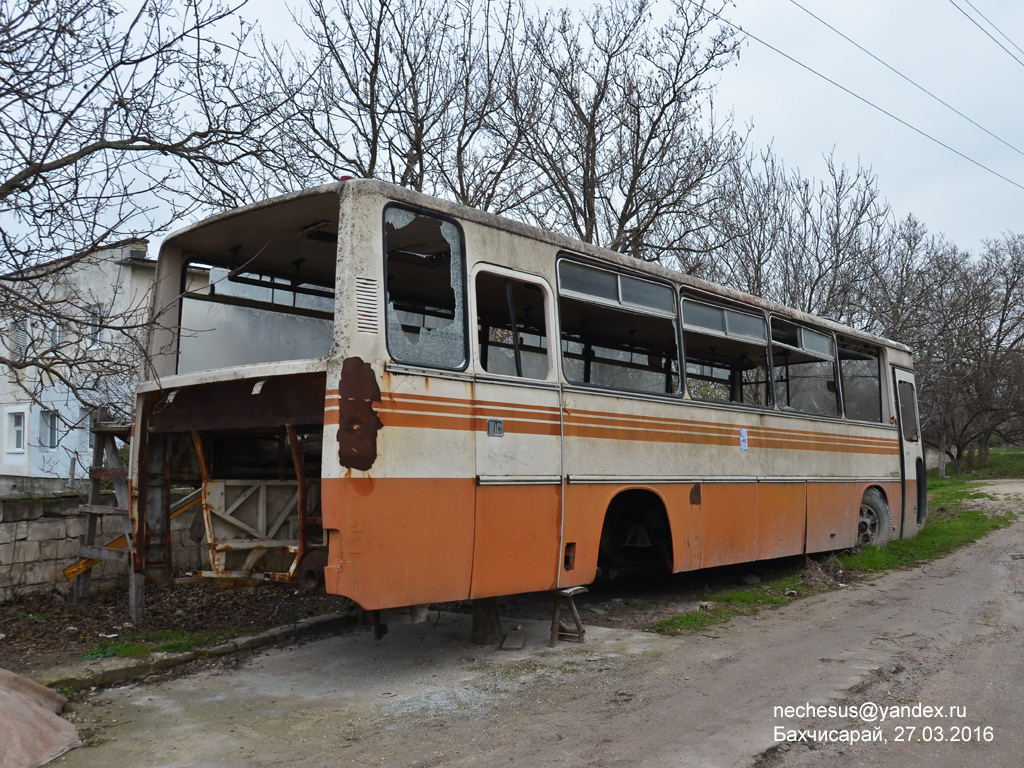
{"x":514,"y":641}
{"x":486,"y":622}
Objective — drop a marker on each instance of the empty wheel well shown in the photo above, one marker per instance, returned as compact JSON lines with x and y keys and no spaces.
{"x":636,"y":532}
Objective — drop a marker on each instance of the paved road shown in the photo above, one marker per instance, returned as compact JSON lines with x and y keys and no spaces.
{"x":948,"y":635}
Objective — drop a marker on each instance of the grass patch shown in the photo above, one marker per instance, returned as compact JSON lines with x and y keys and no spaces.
{"x":951,"y":524}
{"x":142,"y":644}
{"x":739,"y":602}
{"x":120,"y":649}
{"x":1004,"y":461}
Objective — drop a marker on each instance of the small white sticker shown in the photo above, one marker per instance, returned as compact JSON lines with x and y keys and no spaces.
{"x":743,"y":439}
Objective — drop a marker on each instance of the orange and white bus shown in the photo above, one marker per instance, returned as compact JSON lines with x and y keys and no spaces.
{"x":421,"y":402}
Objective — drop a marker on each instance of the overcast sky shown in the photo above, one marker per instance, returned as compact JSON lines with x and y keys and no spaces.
{"x":928,"y":41}
{"x":804,"y":117}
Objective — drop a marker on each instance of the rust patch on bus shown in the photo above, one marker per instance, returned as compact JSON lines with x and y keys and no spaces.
{"x":358,"y":423}
{"x":695,"y":495}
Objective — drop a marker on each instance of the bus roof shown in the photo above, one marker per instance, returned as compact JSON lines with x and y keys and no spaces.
{"x":223,"y":230}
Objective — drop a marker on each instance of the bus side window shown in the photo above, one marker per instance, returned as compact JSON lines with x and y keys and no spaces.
{"x":804,"y":366}
{"x":908,"y":412}
{"x":726,"y":354}
{"x":617,"y":348}
{"x":425,"y":268}
{"x":511,"y":328}
{"x":862,"y":384}
{"x":618,"y":331}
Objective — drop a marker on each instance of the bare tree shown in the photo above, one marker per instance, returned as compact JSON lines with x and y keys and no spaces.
{"x":812,"y":244}
{"x":834,"y":234}
{"x":107,"y":115}
{"x":969,"y":347}
{"x":753,"y":226}
{"x":627,"y":147}
{"x":415,"y":93}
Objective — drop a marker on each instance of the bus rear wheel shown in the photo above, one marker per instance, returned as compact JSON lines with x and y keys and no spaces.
{"x":875,"y":524}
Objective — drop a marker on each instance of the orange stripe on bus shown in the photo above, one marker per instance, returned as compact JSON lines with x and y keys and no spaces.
{"x":598,"y":418}
{"x":755,"y":436}
{"x":429,"y":412}
{"x":416,"y":420}
{"x":710,"y":438}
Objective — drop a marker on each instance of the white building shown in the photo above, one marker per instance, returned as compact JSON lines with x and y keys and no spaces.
{"x":44,"y":437}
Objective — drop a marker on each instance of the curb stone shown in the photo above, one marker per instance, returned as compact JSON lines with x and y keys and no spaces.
{"x":106,"y":672}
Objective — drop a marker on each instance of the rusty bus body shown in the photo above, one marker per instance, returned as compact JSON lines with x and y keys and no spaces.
{"x":421,"y":402}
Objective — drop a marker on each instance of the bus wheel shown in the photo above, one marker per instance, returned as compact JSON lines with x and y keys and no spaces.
{"x":875,"y":524}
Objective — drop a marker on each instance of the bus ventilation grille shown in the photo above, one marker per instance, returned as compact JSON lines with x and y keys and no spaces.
{"x":366,"y":305}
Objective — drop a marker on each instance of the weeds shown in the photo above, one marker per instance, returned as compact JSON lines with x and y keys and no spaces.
{"x":952,"y":523}
{"x":939,"y":537}
{"x":740,"y":602}
{"x":159,"y":641}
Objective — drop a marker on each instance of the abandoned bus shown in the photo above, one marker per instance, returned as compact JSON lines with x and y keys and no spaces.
{"x":411,"y":401}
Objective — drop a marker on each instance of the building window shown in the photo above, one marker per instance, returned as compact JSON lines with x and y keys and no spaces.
{"x":19,"y":340}
{"x":16,"y":432}
{"x":86,"y":421}
{"x":48,"y":429}
{"x":94,"y":324}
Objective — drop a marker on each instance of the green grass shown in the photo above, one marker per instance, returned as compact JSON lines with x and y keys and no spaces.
{"x":952,"y":523}
{"x":123,"y":649}
{"x":939,"y":537}
{"x":142,"y":644}
{"x":1004,"y":461}
{"x":738,"y":602}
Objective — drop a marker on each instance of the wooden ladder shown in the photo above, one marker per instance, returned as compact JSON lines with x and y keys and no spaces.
{"x":105,"y":436}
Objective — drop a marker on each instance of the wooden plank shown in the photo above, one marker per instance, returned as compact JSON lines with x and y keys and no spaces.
{"x":239,"y":545}
{"x":185,"y":502}
{"x":104,"y":553}
{"x":108,"y":473}
{"x":84,"y":564}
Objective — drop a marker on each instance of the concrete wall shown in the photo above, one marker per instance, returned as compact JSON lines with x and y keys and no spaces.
{"x":39,"y":538}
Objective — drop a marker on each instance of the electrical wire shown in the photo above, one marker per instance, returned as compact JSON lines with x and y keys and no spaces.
{"x":857,"y":96}
{"x":997,"y":29}
{"x":913,"y":83}
{"x":987,"y":33}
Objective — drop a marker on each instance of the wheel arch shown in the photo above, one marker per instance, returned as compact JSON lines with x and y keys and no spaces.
{"x":628,"y":511}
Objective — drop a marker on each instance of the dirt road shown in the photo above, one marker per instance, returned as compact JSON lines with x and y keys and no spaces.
{"x":946,"y":635}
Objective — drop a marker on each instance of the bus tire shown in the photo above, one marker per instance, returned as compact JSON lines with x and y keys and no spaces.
{"x":875,"y":524}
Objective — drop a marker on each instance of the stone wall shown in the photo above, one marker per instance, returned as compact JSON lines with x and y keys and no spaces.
{"x":39,"y":537}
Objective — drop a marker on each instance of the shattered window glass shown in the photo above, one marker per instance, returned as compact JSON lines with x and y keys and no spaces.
{"x":425,"y":268}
